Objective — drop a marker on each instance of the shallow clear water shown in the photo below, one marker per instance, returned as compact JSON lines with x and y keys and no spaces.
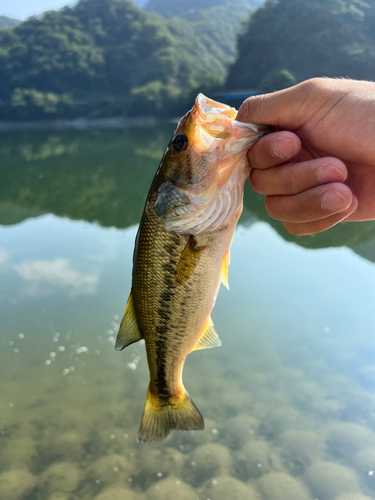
{"x":288,"y":399}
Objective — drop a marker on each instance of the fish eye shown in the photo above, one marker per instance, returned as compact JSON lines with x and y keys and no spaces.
{"x":180,"y":142}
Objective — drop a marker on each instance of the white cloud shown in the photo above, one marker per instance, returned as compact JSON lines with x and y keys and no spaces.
{"x":42,"y":276}
{"x":3,"y":256}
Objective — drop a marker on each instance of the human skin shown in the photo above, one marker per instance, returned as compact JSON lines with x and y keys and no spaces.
{"x":318,"y":168}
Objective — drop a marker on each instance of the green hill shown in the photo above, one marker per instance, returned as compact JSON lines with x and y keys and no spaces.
{"x":104,"y":58}
{"x":185,"y":8}
{"x":8,"y":22}
{"x":215,"y":23}
{"x":333,"y":38}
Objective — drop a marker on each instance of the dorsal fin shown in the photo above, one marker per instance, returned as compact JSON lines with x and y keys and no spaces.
{"x":224,"y":269}
{"x":209,"y":337}
{"x":129,"y":331}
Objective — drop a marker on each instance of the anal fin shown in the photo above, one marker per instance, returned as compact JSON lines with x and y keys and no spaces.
{"x":209,"y":337}
{"x":129,"y":330}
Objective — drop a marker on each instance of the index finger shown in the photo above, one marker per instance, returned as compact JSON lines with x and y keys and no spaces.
{"x":274,"y":149}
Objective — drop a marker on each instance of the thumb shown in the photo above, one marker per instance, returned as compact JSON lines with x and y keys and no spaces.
{"x":287,"y":109}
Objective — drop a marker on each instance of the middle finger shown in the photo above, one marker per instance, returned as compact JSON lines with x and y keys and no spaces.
{"x":311,"y":205}
{"x":293,"y":178}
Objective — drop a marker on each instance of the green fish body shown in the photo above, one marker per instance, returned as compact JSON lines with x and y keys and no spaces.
{"x":181,"y":256}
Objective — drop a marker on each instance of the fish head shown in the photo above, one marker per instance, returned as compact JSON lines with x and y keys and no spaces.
{"x":204,"y":168}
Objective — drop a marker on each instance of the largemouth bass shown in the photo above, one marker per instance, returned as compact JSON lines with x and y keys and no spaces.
{"x":182,"y":254}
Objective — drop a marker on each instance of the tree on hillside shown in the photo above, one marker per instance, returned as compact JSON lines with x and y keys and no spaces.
{"x":48,"y":53}
{"x":8,"y":22}
{"x":112,"y":51}
{"x":302,"y":37}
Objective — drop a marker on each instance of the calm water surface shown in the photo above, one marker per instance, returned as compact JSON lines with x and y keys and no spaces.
{"x":288,"y":399}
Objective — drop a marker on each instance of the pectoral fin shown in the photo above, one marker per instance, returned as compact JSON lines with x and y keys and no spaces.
{"x":209,"y":337}
{"x":224,"y":270}
{"x":129,"y":331}
{"x":188,"y":260}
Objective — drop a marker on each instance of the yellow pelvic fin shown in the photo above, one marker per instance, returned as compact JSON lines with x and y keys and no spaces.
{"x":209,"y":337}
{"x":188,"y":260}
{"x":160,"y":416}
{"x":129,"y":331}
{"x":224,"y":269}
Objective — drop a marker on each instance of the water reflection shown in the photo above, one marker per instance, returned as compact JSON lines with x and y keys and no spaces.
{"x":288,"y":399}
{"x":104,"y":176}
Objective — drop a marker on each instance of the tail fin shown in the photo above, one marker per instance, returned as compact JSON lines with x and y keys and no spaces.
{"x":161,"y":416}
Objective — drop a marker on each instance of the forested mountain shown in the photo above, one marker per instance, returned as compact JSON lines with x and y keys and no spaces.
{"x":185,"y":8}
{"x":103,"y":57}
{"x":213,"y":22}
{"x":8,"y":22}
{"x":111,"y":58}
{"x":305,"y":38}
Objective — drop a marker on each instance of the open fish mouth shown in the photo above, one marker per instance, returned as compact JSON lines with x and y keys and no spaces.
{"x":220,"y":143}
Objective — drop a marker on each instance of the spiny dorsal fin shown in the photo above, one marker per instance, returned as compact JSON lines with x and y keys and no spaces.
{"x":224,"y":269}
{"x":129,"y":331}
{"x":209,"y":337}
{"x":188,"y":260}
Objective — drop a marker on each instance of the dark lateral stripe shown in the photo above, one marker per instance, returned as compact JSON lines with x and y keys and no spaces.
{"x":165,"y":315}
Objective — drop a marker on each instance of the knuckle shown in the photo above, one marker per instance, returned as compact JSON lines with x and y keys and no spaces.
{"x":313,"y":83}
{"x":248,"y":109}
{"x":290,"y":183}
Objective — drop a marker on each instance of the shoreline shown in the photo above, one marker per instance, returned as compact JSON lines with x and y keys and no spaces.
{"x":81,"y":123}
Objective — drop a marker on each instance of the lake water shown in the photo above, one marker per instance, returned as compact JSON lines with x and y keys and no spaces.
{"x":288,"y":399}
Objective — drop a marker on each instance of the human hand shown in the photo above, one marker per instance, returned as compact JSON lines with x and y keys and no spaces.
{"x":318,"y":169}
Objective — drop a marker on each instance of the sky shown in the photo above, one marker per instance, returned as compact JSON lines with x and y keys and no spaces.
{"x":22,"y":9}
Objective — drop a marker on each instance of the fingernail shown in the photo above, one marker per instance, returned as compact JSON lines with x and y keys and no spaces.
{"x":284,"y":148}
{"x":329,"y":173}
{"x":334,"y":201}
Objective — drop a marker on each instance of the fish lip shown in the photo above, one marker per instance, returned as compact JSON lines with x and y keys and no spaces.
{"x":208,"y":109}
{"x":259,"y":129}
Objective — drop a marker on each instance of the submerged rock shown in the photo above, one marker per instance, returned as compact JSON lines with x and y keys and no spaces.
{"x":206,"y":462}
{"x":352,"y":496}
{"x":256,"y":459}
{"x":17,"y":453}
{"x":279,"y":421}
{"x":67,"y":446}
{"x":364,"y":461}
{"x":16,"y":484}
{"x":187,"y":441}
{"x":300,"y":449}
{"x":238,"y":430}
{"x":62,"y":477}
{"x":109,"y":470}
{"x":59,"y":496}
{"x":327,"y":480}
{"x":113,"y":440}
{"x":280,"y":486}
{"x":225,"y":487}
{"x":171,"y":489}
{"x":154,"y":464}
{"x":345,"y":439}
{"x":119,"y":493}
